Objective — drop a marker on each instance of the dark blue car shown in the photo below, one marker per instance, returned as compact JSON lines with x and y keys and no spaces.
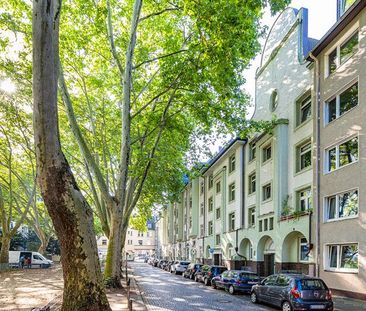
{"x":293,"y":292}
{"x":236,"y":281}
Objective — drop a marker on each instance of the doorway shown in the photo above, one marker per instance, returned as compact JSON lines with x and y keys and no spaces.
{"x":269,"y":262}
{"x":217,"y":260}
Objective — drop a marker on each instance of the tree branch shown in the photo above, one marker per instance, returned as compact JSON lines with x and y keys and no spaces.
{"x":159,"y":57}
{"x":158,"y":13}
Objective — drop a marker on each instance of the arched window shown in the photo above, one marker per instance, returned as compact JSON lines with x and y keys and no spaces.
{"x":274,"y":100}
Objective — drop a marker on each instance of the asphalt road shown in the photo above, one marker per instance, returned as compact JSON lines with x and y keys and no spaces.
{"x":163,"y":291}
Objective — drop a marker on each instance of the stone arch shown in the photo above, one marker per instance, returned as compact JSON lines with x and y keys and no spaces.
{"x":245,"y":248}
{"x":265,"y":246}
{"x":291,"y":244}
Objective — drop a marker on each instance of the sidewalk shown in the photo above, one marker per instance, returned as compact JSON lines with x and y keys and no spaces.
{"x":348,"y":304}
{"x":119,"y":302}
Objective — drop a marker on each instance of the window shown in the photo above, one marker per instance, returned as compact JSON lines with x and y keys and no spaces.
{"x":252,"y":183}
{"x":210,"y":181}
{"x":210,"y":227}
{"x":218,"y":187}
{"x":251,"y":217}
{"x":202,"y":208}
{"x":265,"y":224}
{"x":303,"y":107}
{"x":342,"y":205}
{"x":342,"y":257}
{"x":303,"y":156}
{"x":232,"y":164}
{"x":260,"y":225}
{"x":304,"y":249}
{"x":271,"y":223}
{"x":267,"y":153}
{"x":345,"y":5}
{"x":252,"y":150}
{"x":232,"y":192}
{"x":140,"y":233}
{"x":202,"y":187}
{"x":232,"y":221}
{"x":190,"y":222}
{"x":202,"y":228}
{"x":104,"y":242}
{"x":342,"y":53}
{"x":210,"y":204}
{"x":342,"y":103}
{"x":140,"y":242}
{"x":341,"y":155}
{"x":304,"y":199}
{"x":217,"y":239}
{"x":267,"y":192}
{"x":190,"y":202}
{"x":274,"y":100}
{"x":218,"y":213}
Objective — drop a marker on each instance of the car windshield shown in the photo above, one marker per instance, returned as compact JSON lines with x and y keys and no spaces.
{"x":184,"y":263}
{"x":309,"y":284}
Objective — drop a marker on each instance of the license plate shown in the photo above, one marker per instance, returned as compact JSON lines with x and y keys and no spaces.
{"x":316,"y":307}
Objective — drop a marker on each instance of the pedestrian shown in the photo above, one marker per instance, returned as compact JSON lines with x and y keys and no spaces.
{"x":21,"y":262}
{"x":29,"y":263}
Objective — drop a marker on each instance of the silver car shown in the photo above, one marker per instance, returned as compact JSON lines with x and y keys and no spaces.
{"x":179,"y":267}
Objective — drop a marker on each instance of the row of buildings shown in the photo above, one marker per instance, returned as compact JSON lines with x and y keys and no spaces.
{"x":294,"y":197}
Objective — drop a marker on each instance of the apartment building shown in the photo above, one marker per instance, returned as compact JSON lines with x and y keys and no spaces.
{"x":138,"y":243}
{"x":290,"y":198}
{"x":340,"y":82}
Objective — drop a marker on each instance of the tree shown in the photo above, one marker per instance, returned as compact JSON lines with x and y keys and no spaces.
{"x":186,"y":81}
{"x":71,"y":214}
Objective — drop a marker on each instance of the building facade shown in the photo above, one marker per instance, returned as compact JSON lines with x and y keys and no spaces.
{"x":341,"y":152}
{"x":290,"y":199}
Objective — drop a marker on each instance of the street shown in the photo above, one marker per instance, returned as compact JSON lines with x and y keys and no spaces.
{"x":163,"y":291}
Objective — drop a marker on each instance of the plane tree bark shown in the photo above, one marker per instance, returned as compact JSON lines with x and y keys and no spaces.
{"x":71,"y":215}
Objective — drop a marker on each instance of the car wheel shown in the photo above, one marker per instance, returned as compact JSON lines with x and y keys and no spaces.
{"x":213,"y":284}
{"x":286,"y":306}
{"x":196,"y":278}
{"x":254,"y":297}
{"x":231,"y":290}
{"x":206,"y":281}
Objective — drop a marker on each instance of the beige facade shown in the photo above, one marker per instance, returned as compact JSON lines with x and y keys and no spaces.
{"x":340,"y":179}
{"x":137,"y":242}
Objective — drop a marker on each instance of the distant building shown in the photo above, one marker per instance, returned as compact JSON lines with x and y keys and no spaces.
{"x":138,"y":243}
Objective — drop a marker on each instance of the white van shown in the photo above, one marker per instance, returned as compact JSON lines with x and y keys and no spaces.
{"x":37,"y":260}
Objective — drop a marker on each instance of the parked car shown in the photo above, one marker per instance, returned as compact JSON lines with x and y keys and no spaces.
{"x":168,"y":265}
{"x":235,"y":281}
{"x":162,"y":264}
{"x":35,"y":259}
{"x":293,"y":292}
{"x":179,"y":267}
{"x":192,"y":269}
{"x":172,"y":266}
{"x":208,"y":272}
{"x":155,"y":262}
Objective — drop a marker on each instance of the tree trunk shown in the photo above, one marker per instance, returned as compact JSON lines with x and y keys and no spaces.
{"x":4,"y":252}
{"x":71,"y":215}
{"x":44,"y":242}
{"x":112,"y":272}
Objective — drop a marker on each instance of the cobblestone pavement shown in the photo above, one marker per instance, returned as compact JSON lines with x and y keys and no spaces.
{"x":163,"y":291}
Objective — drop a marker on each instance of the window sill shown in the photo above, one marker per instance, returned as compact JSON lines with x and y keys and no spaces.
{"x":304,"y":170}
{"x":332,"y":74}
{"x":340,"y":219}
{"x":348,"y":271}
{"x":267,"y":201}
{"x":301,"y":125}
{"x":339,"y":117}
{"x":267,"y":161}
{"x":251,"y":194}
{"x":339,"y":168}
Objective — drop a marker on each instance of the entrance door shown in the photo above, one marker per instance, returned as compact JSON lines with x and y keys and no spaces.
{"x":217,"y":259}
{"x":269,"y":264}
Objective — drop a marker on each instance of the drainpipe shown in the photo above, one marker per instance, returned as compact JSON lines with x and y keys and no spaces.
{"x":317,"y":162}
{"x":204,"y":219}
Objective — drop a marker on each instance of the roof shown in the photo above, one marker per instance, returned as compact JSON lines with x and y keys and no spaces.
{"x":342,"y":23}
{"x":221,"y":153}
